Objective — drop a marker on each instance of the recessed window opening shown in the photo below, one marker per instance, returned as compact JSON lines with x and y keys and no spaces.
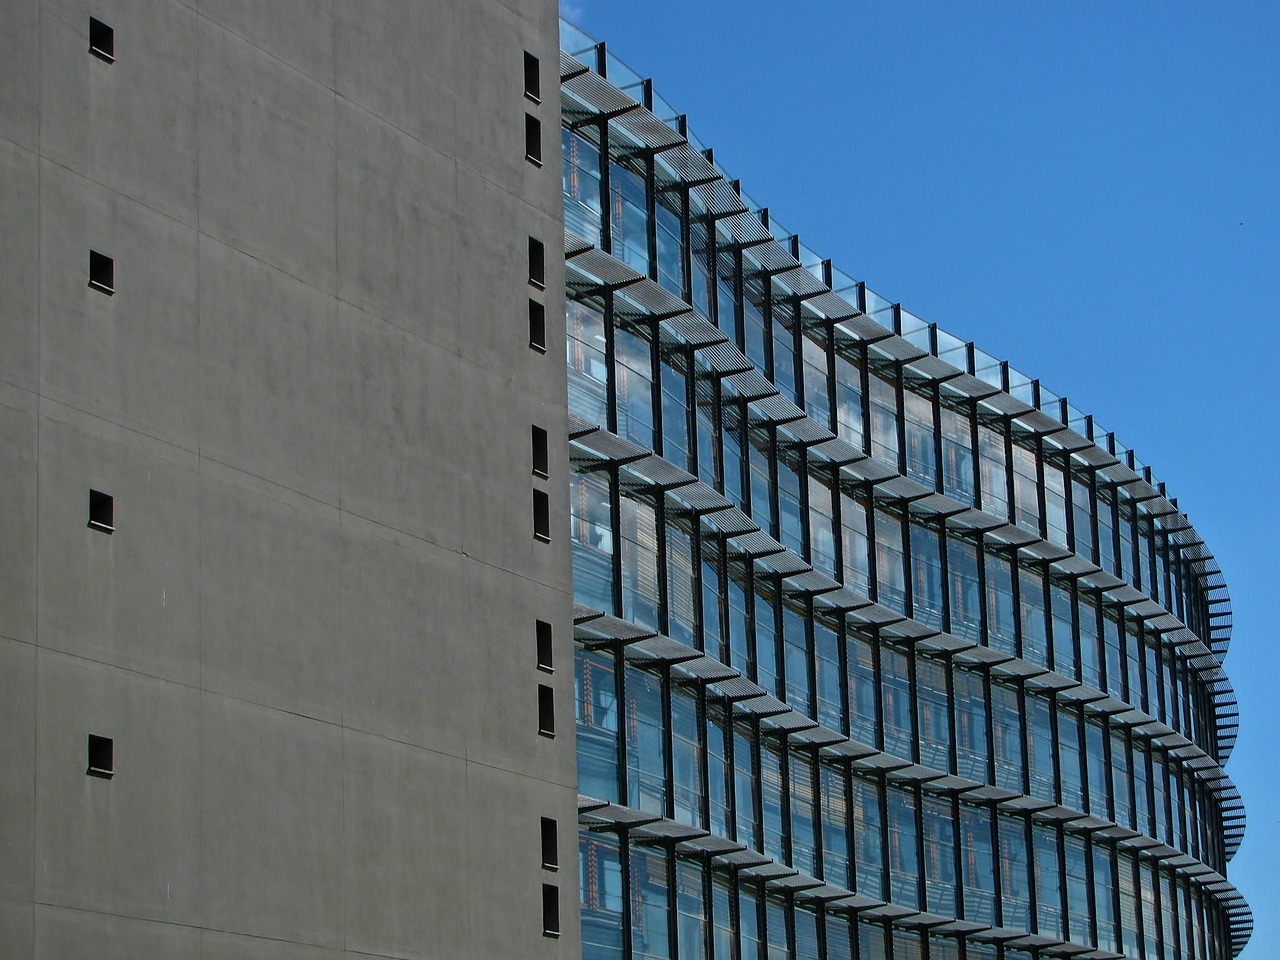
{"x":546,"y":710}
{"x":537,"y":326}
{"x":532,"y":80}
{"x":537,"y":264}
{"x":550,"y":844}
{"x":533,"y":139}
{"x":541,"y":456}
{"x":102,"y":511}
{"x":550,"y":910}
{"x":101,"y":757}
{"x":544,"y":647}
{"x":542,"y":516}
{"x":102,"y":40}
{"x":102,"y":272}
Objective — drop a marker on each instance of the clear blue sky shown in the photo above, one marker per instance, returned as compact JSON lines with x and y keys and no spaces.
{"x":1087,"y":189}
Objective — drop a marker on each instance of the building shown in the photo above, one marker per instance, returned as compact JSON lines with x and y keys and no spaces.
{"x":882,"y":649}
{"x":270,"y":592}
{"x":879,"y":648}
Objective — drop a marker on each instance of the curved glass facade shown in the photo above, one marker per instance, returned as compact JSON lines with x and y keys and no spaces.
{"x":882,"y":649}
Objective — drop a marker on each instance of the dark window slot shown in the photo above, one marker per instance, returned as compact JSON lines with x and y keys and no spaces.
{"x":546,"y":710}
{"x":102,"y":40}
{"x":541,"y":454}
{"x":550,"y":910}
{"x":101,"y":757}
{"x":550,"y":844}
{"x":542,"y":516}
{"x":102,"y":272}
{"x":532,"y":80}
{"x":537,"y":326}
{"x":537,"y":264}
{"x":533,"y":139}
{"x":544,"y":647}
{"x":102,"y":511}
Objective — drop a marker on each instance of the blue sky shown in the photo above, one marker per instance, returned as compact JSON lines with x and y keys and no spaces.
{"x":1086,"y":189}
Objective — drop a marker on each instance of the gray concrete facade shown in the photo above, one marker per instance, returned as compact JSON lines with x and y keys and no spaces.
{"x":311,"y":636}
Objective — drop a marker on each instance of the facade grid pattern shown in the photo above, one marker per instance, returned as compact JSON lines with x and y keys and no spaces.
{"x":870,"y":660}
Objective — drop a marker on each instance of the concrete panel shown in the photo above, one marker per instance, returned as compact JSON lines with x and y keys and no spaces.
{"x":266,"y":158}
{"x":17,"y":769}
{"x":397,"y":255}
{"x":504,"y":842}
{"x":217,"y":945}
{"x":80,"y":935}
{"x":18,"y":519}
{"x":19,"y":261}
{"x":492,"y":73}
{"x":19,"y":73}
{"x":406,"y":833}
{"x":268,"y":348}
{"x":271,"y":787}
{"x":398,"y":61}
{"x":299,"y":33}
{"x":406,"y":626}
{"x":129,"y":845}
{"x":402,"y":449}
{"x":129,"y":125}
{"x":493,"y":241}
{"x":17,"y":929}
{"x":270,"y":563}
{"x":504,"y":680}
{"x":130,"y":357}
{"x":130,"y":598}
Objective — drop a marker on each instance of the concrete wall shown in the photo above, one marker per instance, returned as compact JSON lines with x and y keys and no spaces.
{"x":311,"y":635}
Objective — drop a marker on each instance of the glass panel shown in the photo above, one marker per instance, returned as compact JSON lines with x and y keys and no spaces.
{"x":771,"y":800}
{"x":639,"y":526}
{"x":835,"y":830}
{"x":650,"y":909}
{"x":646,"y":744}
{"x":596,"y":707}
{"x":866,"y":821}
{"x":600,"y":895}
{"x":766,"y":641}
{"x":801,"y":800}
{"x":670,"y":248}
{"x":1015,"y":890}
{"x":1040,"y":750}
{"x":826,"y":648}
{"x":862,"y":690}
{"x":889,"y":560}
{"x":719,"y":772}
{"x":991,"y":461}
{"x":822,"y":547}
{"x":1069,"y":756}
{"x":686,"y":757}
{"x":918,"y":429}
{"x":681,"y":612}
{"x":795,"y":652}
{"x":1048,"y":883}
{"x":971,"y":725}
{"x":900,"y":806}
{"x":675,"y":412}
{"x":962,"y":574}
{"x":691,"y":919}
{"x":587,"y":364}
{"x":744,"y":795}
{"x":1103,"y":899}
{"x":848,"y":398}
{"x":939,"y":856}
{"x":1002,"y":631}
{"x":582,"y":191}
{"x":1006,"y":727}
{"x":1077,"y":889}
{"x":957,"y":456}
{"x":633,"y":369}
{"x":1035,"y":646}
{"x":896,"y":705}
{"x":978,"y":864}
{"x":926,"y":576}
{"x":934,"y":713}
{"x":855,"y":545}
{"x":814,"y":356}
{"x":884,"y":417}
{"x":628,"y":218}
{"x":591,"y":526}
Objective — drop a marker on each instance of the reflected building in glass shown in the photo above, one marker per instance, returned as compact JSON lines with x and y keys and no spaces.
{"x":882,"y":649}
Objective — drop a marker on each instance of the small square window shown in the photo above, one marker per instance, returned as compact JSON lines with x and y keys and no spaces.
{"x":102,"y":40}
{"x":550,"y":844}
{"x":537,"y":264}
{"x":532,"y":80}
{"x":101,"y":757}
{"x":533,"y":139}
{"x":541,"y":456}
{"x":102,"y":511}
{"x":102,"y":272}
{"x":544,"y":647}
{"x":542,"y":516}
{"x":550,"y":910}
{"x":537,"y":326}
{"x":546,"y":710}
